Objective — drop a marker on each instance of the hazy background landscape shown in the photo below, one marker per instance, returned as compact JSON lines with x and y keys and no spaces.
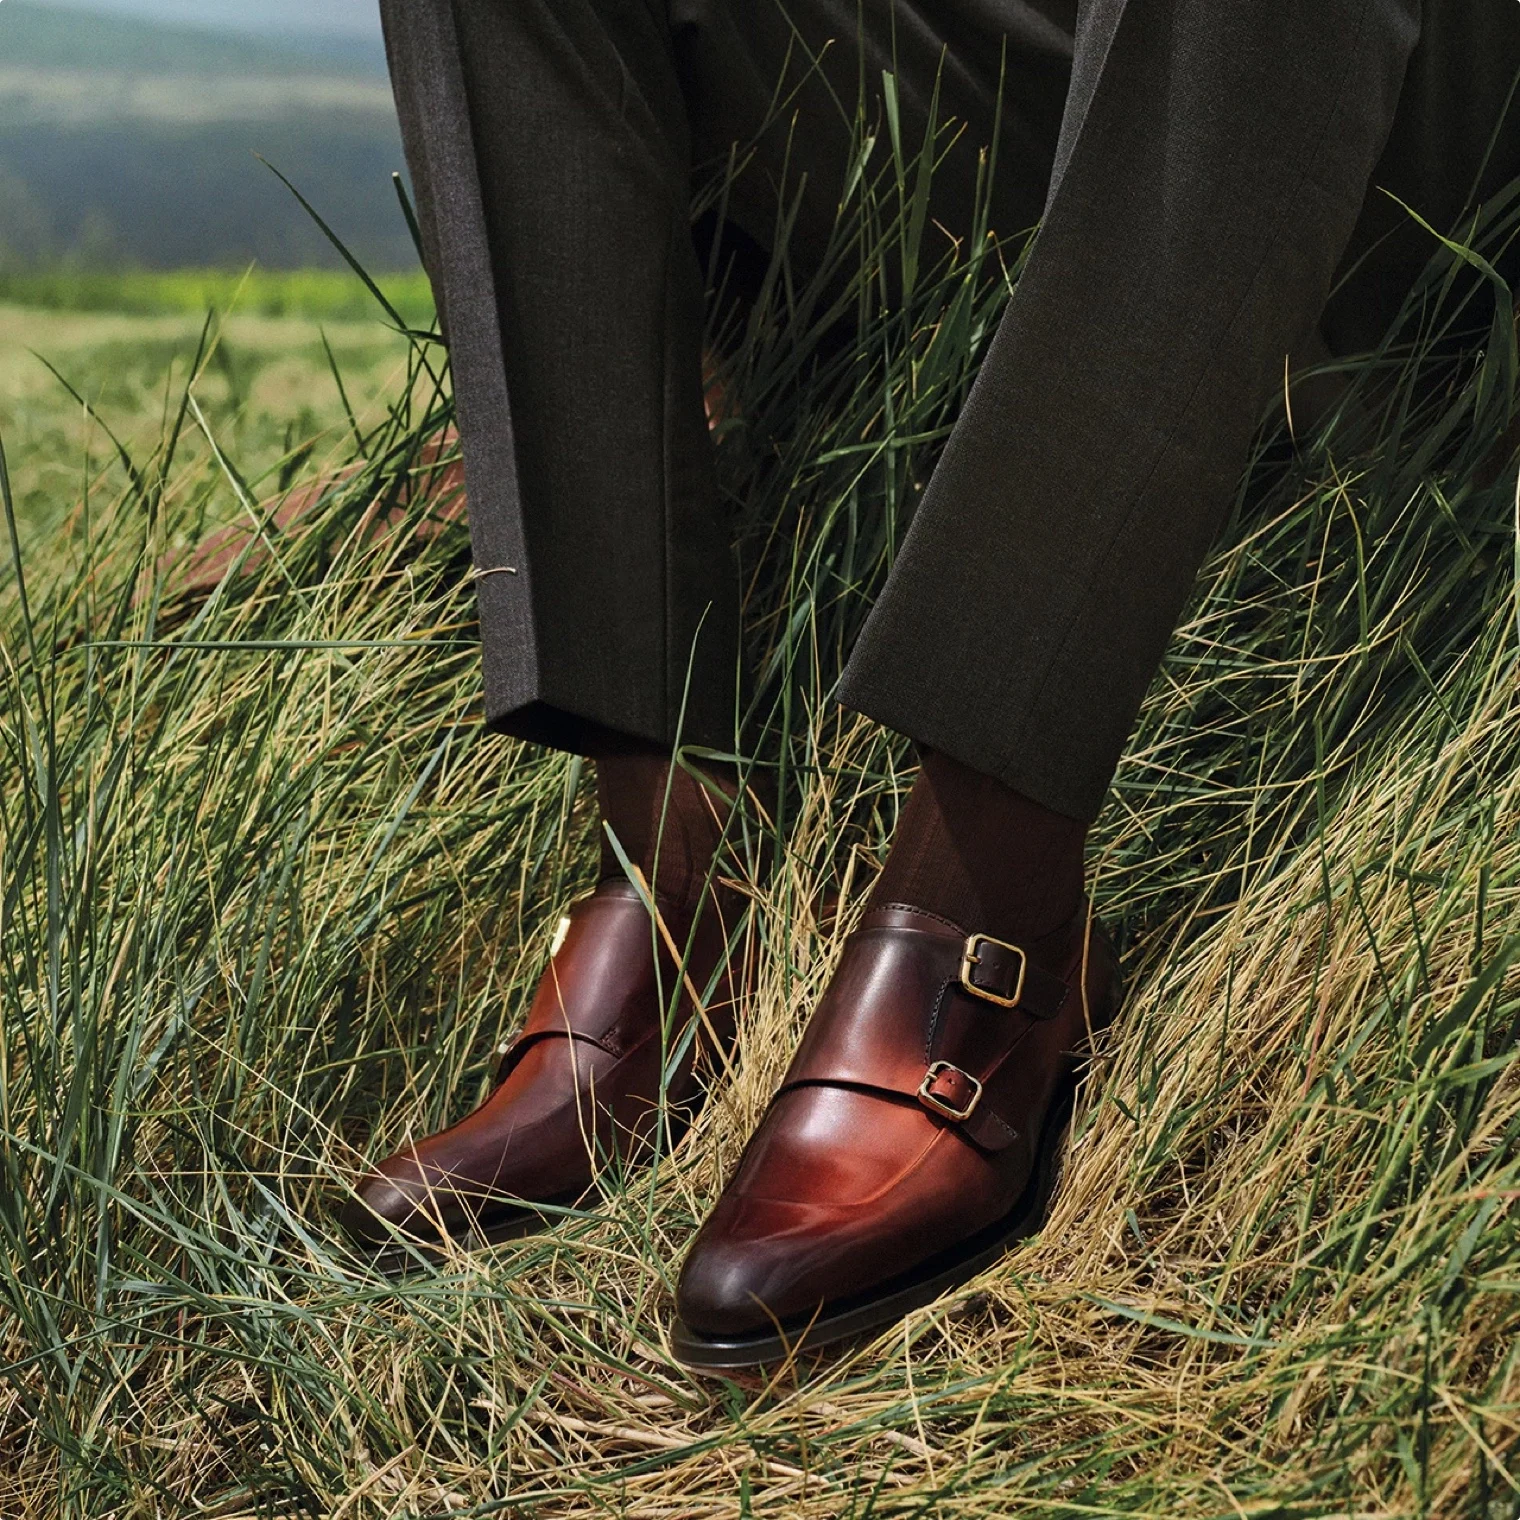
{"x":133,"y":206}
{"x":128,"y":134}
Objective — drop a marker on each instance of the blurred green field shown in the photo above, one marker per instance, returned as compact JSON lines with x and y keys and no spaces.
{"x":125,"y":142}
{"x":327,"y":295}
{"x":87,"y":353}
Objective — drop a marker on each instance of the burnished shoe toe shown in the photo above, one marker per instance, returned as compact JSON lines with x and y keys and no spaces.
{"x":412,"y":1193}
{"x":727,"y":1286}
{"x":422,"y":1196}
{"x":377,"y":1208}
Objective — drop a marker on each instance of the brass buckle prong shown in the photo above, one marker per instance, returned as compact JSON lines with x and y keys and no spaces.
{"x":938,"y":1104}
{"x":970,"y":958}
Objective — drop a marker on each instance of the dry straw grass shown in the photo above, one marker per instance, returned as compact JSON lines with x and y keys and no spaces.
{"x":269,"y":898}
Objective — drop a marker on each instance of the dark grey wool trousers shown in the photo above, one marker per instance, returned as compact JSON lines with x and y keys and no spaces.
{"x":1200,"y":169}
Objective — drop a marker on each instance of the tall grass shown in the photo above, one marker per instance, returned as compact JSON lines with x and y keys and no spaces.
{"x":269,"y":898}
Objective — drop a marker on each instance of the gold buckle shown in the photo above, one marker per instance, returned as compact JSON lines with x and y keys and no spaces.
{"x":938,"y":1105}
{"x":970,"y":958}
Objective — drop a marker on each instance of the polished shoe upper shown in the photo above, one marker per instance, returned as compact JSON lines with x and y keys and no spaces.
{"x":581,"y":1084}
{"x":908,"y":1121}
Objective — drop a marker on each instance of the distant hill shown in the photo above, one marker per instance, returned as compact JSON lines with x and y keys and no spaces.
{"x":347,"y":31}
{"x":125,"y":141}
{"x":56,"y":37}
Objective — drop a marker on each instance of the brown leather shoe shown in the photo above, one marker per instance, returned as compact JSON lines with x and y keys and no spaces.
{"x":580,"y":1084}
{"x":914,"y":1139}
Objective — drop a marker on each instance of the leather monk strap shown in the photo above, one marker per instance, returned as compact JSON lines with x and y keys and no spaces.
{"x":950,"y":1092}
{"x":1001,"y":973}
{"x":922,"y":1010}
{"x":572,"y":1004}
{"x":956,"y":1096}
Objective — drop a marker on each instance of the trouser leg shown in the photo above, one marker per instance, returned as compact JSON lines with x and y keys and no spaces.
{"x":1455,"y":144}
{"x":550,"y":149}
{"x":1212,"y":163}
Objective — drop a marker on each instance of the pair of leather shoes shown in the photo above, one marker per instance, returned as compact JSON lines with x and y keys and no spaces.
{"x":914,"y":1138}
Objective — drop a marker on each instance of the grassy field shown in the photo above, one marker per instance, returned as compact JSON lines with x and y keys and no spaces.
{"x":320,"y":295}
{"x":77,"y":371}
{"x":269,"y":899}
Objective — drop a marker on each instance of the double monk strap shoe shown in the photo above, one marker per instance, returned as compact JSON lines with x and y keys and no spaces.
{"x":581,"y":1084}
{"x":914,"y":1140}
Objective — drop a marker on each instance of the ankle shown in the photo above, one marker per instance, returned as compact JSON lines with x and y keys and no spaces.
{"x":668,"y":822}
{"x":988,"y":858}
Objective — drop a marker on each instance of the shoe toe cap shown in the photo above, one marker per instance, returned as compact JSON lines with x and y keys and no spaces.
{"x":723,"y":1291}
{"x":377,"y":1208}
{"x":752,"y":1267}
{"x":394,"y":1197}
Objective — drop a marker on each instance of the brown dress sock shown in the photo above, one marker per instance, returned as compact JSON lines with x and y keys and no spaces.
{"x":983,"y":855}
{"x":675,"y":858}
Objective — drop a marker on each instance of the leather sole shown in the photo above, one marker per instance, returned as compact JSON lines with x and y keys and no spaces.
{"x":854,"y":1318}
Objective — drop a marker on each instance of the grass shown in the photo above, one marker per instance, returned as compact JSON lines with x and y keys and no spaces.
{"x":323,"y":295}
{"x":269,"y":898}
{"x":265,"y":384}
